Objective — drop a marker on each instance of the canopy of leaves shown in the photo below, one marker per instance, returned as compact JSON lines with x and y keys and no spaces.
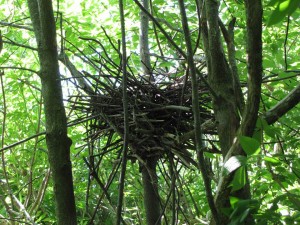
{"x":88,"y":33}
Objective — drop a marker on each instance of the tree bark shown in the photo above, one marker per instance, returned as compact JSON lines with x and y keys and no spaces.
{"x":221,"y":81}
{"x":226,"y":105}
{"x":196,"y":111}
{"x":144,"y":43}
{"x":151,"y":196}
{"x":250,"y":114}
{"x":126,"y":116}
{"x":58,"y":142}
{"x":149,"y":175}
{"x":282,"y":107}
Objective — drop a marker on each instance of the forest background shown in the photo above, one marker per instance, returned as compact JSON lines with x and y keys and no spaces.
{"x":178,"y":112}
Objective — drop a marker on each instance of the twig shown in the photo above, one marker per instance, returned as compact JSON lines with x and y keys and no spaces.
{"x":196,"y":111}
{"x":12,"y":24}
{"x":285,"y":42}
{"x":70,"y":124}
{"x":20,"y":45}
{"x":41,"y":192}
{"x":170,"y":39}
{"x":126,"y":116}
{"x":32,"y":161}
{"x":2,"y":144}
{"x":169,"y":25}
{"x":18,"y":68}
{"x":110,"y":41}
{"x":75,"y":73}
{"x":103,"y":48}
{"x":156,"y":36}
{"x":22,"y":141}
{"x":199,"y":13}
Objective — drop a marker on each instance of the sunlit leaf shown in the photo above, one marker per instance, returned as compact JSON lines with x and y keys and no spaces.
{"x":272,"y":160}
{"x":249,"y":145}
{"x":233,"y":201}
{"x":241,"y":209}
{"x":239,"y":179}
{"x":283,"y":9}
{"x":296,"y":168}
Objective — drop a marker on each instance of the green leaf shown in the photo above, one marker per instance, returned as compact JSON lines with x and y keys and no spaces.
{"x":209,"y":155}
{"x":269,"y":63}
{"x":234,"y":162}
{"x":296,"y":168}
{"x":295,"y":199}
{"x":296,"y":216}
{"x":271,"y":131}
{"x":242,"y":208}
{"x":273,"y":3}
{"x":272,"y":160}
{"x":259,"y":128}
{"x":233,"y":201}
{"x":249,"y":145}
{"x":283,"y":9}
{"x":239,"y":179}
{"x":166,"y":64}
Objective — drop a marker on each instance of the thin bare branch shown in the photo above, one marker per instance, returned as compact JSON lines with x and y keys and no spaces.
{"x":13,"y":24}
{"x":196,"y":111}
{"x":126,"y":116}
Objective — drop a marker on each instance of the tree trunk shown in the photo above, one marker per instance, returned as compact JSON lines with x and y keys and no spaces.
{"x":144,"y":44}
{"x":226,"y":105}
{"x":149,"y":176}
{"x":58,"y":143}
{"x":151,"y":196}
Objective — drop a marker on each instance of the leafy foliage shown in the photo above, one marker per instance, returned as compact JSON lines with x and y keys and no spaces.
{"x":89,"y":32}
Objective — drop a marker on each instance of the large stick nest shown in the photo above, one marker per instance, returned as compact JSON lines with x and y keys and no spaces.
{"x":160,"y":113}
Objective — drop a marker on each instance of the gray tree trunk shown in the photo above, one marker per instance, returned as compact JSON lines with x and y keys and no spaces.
{"x":151,"y":196}
{"x":58,"y":142}
{"x":144,"y":43}
{"x":149,"y":176}
{"x":226,"y":103}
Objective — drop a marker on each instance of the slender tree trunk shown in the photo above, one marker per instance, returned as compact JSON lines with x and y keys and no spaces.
{"x":144,"y":43}
{"x":151,"y":196}
{"x":149,"y":176}
{"x":221,"y":81}
{"x":226,"y":105}
{"x":126,"y":116}
{"x":196,"y":111}
{"x":58,"y":143}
